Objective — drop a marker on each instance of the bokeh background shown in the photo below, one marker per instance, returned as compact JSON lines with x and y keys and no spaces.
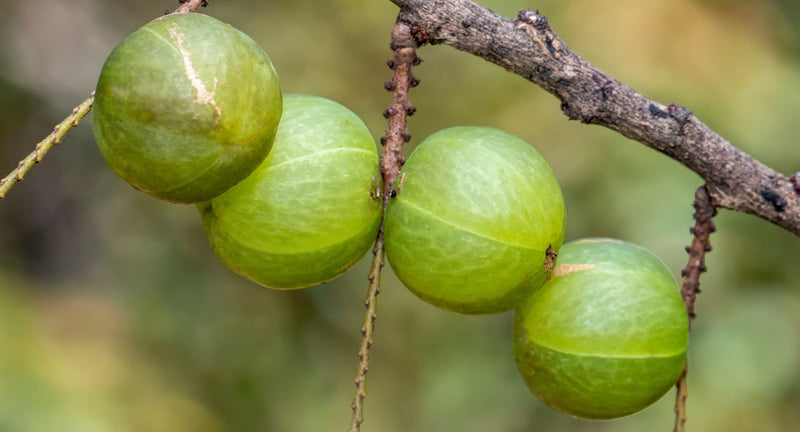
{"x":116,"y":316}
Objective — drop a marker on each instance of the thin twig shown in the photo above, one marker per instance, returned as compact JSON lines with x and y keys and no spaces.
{"x":367,"y":331}
{"x":703,"y":227}
{"x":45,"y":145}
{"x":705,"y":210}
{"x":404,"y":47}
{"x":681,"y":393}
{"x":190,"y":5}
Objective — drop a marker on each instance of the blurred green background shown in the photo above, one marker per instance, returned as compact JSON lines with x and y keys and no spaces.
{"x":116,"y":316}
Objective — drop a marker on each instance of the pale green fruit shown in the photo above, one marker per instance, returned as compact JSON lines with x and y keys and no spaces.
{"x":310,"y":211}
{"x":475,"y":212}
{"x":607,"y":335}
{"x":186,"y":107}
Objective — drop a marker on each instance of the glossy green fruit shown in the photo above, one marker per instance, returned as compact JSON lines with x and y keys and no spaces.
{"x":475,"y":212}
{"x":606,"y":336}
{"x":310,"y":211}
{"x":186,"y":107}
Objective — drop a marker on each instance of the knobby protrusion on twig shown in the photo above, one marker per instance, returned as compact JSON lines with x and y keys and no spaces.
{"x":795,"y":179}
{"x":705,"y":210}
{"x":540,"y":27}
{"x":403,"y":45}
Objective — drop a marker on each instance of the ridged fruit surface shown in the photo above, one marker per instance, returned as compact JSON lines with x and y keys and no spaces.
{"x":607,"y":335}
{"x":310,"y":211}
{"x":186,"y":107}
{"x":475,"y":212}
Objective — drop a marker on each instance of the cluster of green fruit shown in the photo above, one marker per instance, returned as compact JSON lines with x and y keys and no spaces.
{"x":189,"y":110}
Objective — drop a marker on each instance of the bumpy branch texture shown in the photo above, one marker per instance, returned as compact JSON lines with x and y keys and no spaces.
{"x":701,"y":245}
{"x":404,"y":49}
{"x":703,"y":227}
{"x":529,"y":47}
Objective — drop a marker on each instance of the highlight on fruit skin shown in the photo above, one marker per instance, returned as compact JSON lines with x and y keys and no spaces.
{"x":186,"y":107}
{"x":310,"y":211}
{"x":475,"y":212}
{"x":607,"y":334}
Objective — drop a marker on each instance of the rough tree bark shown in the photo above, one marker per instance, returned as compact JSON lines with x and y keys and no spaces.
{"x":529,"y":47}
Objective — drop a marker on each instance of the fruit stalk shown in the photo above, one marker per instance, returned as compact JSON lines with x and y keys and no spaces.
{"x":705,"y":210}
{"x":190,"y":5}
{"x":681,"y":393}
{"x":404,"y":47}
{"x":704,"y":226}
{"x":41,"y":149}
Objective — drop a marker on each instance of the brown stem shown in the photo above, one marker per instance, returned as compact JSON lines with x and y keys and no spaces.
{"x":681,"y":393}
{"x":404,"y":47}
{"x":367,"y":331}
{"x":703,"y":227}
{"x":190,"y":5}
{"x":528,"y":46}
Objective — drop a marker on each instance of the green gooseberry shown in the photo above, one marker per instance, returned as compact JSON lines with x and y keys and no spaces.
{"x":476,"y":211}
{"x":606,"y":335}
{"x":186,"y":107}
{"x":311,"y":209}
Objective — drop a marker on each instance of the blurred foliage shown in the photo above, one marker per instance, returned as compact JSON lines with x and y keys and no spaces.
{"x":116,"y":316}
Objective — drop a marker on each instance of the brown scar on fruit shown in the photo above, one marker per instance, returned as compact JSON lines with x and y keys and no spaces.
{"x":570,"y":268}
{"x":204,"y":96}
